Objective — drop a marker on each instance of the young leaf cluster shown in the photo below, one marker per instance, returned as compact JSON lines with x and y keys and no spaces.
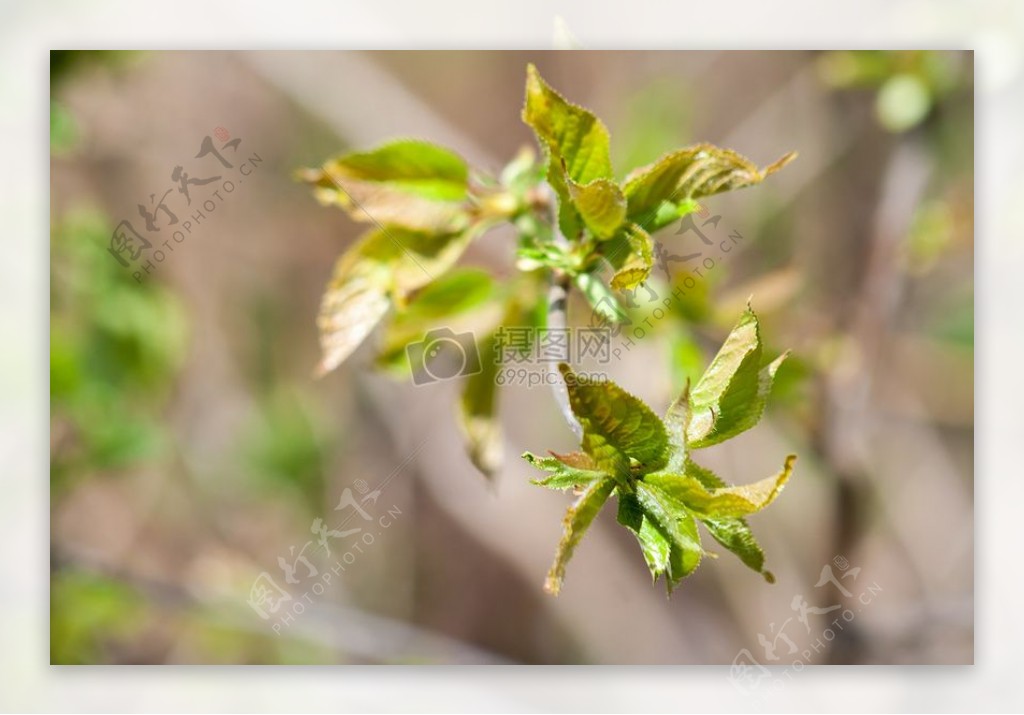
{"x":646,"y":463}
{"x":423,"y":206}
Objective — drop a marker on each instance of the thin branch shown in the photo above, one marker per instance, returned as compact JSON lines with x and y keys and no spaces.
{"x":558,"y":308}
{"x":558,"y":299}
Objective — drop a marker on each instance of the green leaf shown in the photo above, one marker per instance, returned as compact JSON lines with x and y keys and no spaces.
{"x":575,"y":144}
{"x":477,"y":416}
{"x":568,"y":131}
{"x":638,"y":265}
{"x":456,"y":293}
{"x":600,"y":204}
{"x":406,"y":183}
{"x":617,"y":427}
{"x":677,"y":418}
{"x":601,"y":299}
{"x":423,"y":257}
{"x":416,"y":167}
{"x":679,"y":528}
{"x":577,"y":520}
{"x":654,"y":544}
{"x":567,"y":471}
{"x":385,"y":206}
{"x":731,"y":395}
{"x":570,"y":224}
{"x":355,"y":300}
{"x":734,"y":534}
{"x":705,"y":476}
{"x":384,"y":265}
{"x":722,"y":502}
{"x":616,"y":250}
{"x":477,"y":411}
{"x":658,"y":193}
{"x":671,"y":211}
{"x":549,"y":255}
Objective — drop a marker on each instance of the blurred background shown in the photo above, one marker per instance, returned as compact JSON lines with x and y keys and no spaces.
{"x":192,"y":452}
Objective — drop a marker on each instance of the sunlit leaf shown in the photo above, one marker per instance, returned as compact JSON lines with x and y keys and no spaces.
{"x":617,"y":427}
{"x":355,"y":301}
{"x":677,"y":418}
{"x":600,"y":204}
{"x":576,"y":460}
{"x":563,"y":475}
{"x":574,"y":133}
{"x":601,"y":299}
{"x":426,"y":211}
{"x":722,"y":502}
{"x":477,"y":416}
{"x":478,"y":407}
{"x":731,"y":395}
{"x":662,"y":492}
{"x":575,"y":142}
{"x":654,"y":544}
{"x":424,"y":257}
{"x":734,"y":534}
{"x":678,"y":527}
{"x":657,"y":193}
{"x":638,"y":265}
{"x":385,"y":265}
{"x":385,"y":206}
{"x":455,"y":294}
{"x":413,"y":184}
{"x":457,"y":291}
{"x":417,"y":167}
{"x":576,"y":522}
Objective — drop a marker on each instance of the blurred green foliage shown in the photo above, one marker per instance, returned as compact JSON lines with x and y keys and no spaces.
{"x":115,"y":348}
{"x":287,"y":444}
{"x":98,"y":619}
{"x":955,"y":323}
{"x":64,"y":132}
{"x":65,"y":63}
{"x":908,"y":83}
{"x":87,"y":614}
{"x":657,"y":115}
